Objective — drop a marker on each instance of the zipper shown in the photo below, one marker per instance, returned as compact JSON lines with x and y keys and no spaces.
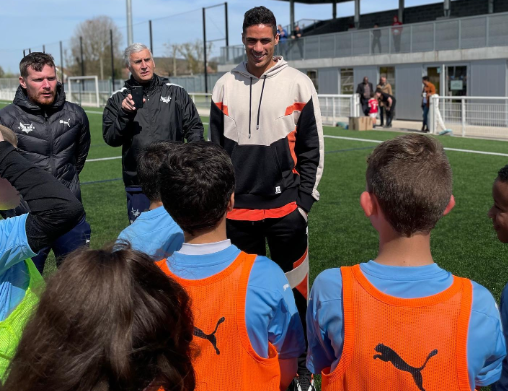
{"x":51,"y":141}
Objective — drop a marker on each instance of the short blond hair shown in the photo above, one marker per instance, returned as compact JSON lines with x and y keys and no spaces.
{"x":9,"y":136}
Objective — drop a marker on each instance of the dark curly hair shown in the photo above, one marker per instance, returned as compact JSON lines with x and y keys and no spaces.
{"x":259,"y":15}
{"x":107,"y":321}
{"x":35,"y":60}
{"x":196,"y":183}
{"x":502,"y":174}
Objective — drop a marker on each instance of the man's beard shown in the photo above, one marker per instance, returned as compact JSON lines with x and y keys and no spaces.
{"x":40,"y":100}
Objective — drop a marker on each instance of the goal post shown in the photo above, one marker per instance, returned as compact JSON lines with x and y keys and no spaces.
{"x":83,"y":90}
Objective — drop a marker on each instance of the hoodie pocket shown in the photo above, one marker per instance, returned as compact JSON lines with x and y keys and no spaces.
{"x":257,"y":170}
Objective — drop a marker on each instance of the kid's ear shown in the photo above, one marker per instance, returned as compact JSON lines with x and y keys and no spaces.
{"x":368,"y":203}
{"x":450,"y":205}
{"x":231,"y":203}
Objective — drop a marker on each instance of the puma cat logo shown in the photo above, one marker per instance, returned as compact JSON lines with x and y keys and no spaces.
{"x":165,"y":99}
{"x":66,"y":122}
{"x":210,"y":337}
{"x":389,"y":355}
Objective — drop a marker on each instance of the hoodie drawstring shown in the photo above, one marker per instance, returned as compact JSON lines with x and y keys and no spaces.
{"x":260,"y":100}
{"x":250,"y":104}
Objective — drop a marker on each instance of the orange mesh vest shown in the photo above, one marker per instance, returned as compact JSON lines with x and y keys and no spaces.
{"x":402,"y":344}
{"x":227,"y":360}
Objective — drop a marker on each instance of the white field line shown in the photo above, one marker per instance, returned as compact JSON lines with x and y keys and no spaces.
{"x":103,"y":158}
{"x":446,"y":149}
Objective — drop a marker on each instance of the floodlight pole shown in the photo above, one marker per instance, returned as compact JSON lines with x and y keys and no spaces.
{"x":226,"y":22}
{"x":61,"y":62}
{"x":129,"y":23}
{"x":204,"y":49}
{"x":112,"y":60}
{"x":151,"y":36}
{"x":82,"y":61}
{"x":44,"y":48}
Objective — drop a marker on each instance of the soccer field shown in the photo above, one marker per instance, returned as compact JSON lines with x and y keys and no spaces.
{"x":463,"y":242}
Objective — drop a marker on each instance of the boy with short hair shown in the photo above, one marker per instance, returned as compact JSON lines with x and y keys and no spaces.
{"x":499,"y":215}
{"x":154,"y":232}
{"x":401,"y":320}
{"x":246,"y":322}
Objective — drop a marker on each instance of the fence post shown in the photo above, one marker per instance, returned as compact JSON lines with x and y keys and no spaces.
{"x":390,"y":41}
{"x":460,"y":34}
{"x":431,"y":119}
{"x":370,"y":42}
{"x":62,"y":63}
{"x":463,"y":112}
{"x":487,"y":32}
{"x":333,"y":111}
{"x":434,"y":36}
{"x":411,"y":40}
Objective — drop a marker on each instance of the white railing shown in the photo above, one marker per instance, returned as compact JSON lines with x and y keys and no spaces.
{"x":469,"y":116}
{"x":334,"y":108}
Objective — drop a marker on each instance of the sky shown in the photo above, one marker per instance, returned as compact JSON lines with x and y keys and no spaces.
{"x":35,"y":22}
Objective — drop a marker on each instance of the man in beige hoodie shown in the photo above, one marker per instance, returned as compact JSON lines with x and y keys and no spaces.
{"x":385,"y":87}
{"x":266,"y":116}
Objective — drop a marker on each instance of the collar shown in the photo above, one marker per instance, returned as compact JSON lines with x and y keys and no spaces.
{"x":204,"y":249}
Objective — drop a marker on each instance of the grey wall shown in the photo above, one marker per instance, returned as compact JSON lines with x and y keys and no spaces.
{"x":371,"y":72}
{"x":488,"y":78}
{"x":408,"y":79}
{"x":328,"y":80}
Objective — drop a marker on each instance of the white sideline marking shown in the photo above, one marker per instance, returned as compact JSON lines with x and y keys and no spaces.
{"x":104,"y":158}
{"x":446,"y":149}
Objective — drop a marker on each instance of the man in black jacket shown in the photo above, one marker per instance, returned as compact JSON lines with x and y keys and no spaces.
{"x":54,"y":135}
{"x":168,"y":113}
{"x":366,"y":92}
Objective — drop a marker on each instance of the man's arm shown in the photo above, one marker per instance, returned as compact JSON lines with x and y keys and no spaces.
{"x":288,"y":368}
{"x":54,"y":209}
{"x":217,"y":112}
{"x":309,"y":149}
{"x":389,"y":89}
{"x":84,"y":143}
{"x":115,"y":121}
{"x":192,"y":125}
{"x":359,"y":89}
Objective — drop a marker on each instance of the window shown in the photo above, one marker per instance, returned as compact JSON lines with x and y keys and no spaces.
{"x":456,"y":80}
{"x":313,"y":77}
{"x":347,"y":86}
{"x":389,"y":73}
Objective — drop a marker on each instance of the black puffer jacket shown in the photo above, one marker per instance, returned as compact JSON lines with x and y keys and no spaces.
{"x":56,"y":138}
{"x":168,"y":114}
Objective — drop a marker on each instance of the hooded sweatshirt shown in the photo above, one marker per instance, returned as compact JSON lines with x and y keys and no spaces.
{"x":271,"y":127}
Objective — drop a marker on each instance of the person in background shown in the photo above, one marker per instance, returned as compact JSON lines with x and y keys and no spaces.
{"x":376,"y":39}
{"x":283,"y":40}
{"x":498,"y":213}
{"x":373,"y":107}
{"x":108,"y":320}
{"x":154,"y":232}
{"x":389,"y":102}
{"x":365,"y":90}
{"x":385,"y":87}
{"x":429,"y":89}
{"x":297,"y":37}
{"x":54,"y":210}
{"x":54,"y":135}
{"x":168,"y":114}
{"x":397,"y":33}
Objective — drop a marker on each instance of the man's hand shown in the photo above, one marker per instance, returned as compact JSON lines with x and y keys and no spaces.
{"x":1,"y":137}
{"x":128,"y":104}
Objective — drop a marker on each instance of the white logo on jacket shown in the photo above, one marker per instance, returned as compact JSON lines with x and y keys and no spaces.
{"x":66,"y":122}
{"x":166,"y":99}
{"x":27,"y":128}
{"x":277,"y":190}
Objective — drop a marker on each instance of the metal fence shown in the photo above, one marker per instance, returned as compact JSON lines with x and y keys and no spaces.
{"x":448,"y":34}
{"x":470,"y":116}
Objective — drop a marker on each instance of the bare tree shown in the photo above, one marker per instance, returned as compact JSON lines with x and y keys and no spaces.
{"x":95,"y":33}
{"x":172,"y":50}
{"x":194,"y":54}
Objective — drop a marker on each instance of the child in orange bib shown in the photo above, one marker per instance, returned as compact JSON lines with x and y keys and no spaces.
{"x":246,"y":322}
{"x":401,"y":322}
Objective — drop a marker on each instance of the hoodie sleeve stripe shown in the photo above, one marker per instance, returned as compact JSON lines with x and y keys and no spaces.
{"x":222,"y":107}
{"x":297,"y":106}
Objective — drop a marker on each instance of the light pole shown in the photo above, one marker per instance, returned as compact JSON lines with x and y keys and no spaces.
{"x":129,"y":22}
